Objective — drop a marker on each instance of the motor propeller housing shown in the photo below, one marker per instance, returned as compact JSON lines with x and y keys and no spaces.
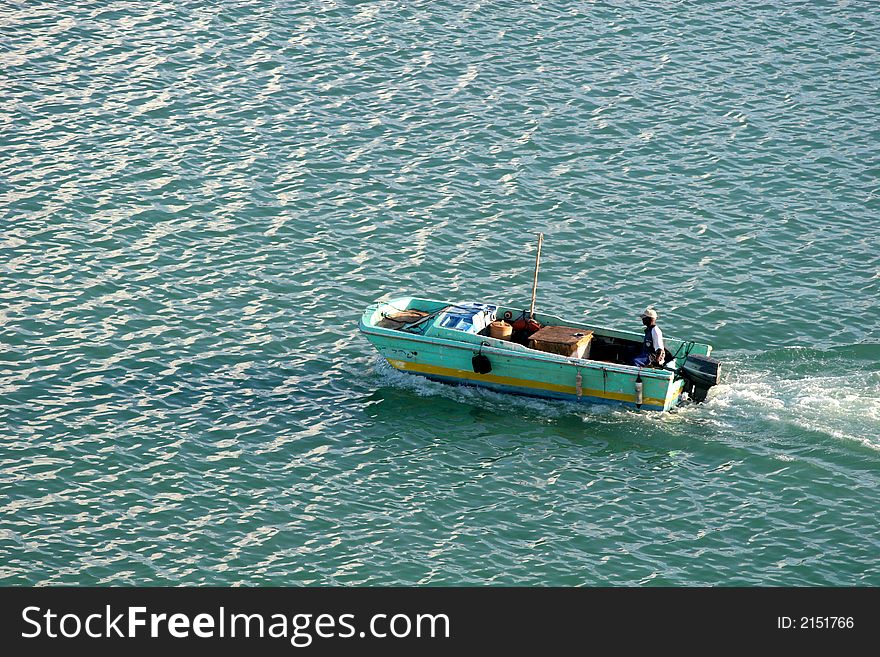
{"x":701,"y":373}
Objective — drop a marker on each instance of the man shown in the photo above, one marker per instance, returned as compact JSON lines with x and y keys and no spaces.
{"x":653,"y":349}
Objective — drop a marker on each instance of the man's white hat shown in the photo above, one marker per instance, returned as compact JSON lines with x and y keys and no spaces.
{"x":650,"y":312}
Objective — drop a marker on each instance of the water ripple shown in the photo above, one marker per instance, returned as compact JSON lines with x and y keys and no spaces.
{"x":198,"y":200}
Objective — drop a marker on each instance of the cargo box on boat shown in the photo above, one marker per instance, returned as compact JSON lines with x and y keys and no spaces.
{"x":562,"y":340}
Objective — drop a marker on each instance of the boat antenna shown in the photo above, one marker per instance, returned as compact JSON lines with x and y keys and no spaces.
{"x":535,"y":284}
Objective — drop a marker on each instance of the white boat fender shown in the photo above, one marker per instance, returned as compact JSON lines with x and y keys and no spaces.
{"x":639,"y":390}
{"x":578,"y":384}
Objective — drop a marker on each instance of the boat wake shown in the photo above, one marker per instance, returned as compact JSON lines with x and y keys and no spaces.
{"x":833,"y":393}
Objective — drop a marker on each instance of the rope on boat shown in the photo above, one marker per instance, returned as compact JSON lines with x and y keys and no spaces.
{"x":690,"y":345}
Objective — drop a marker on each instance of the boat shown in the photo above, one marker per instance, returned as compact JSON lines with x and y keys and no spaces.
{"x":515,"y":350}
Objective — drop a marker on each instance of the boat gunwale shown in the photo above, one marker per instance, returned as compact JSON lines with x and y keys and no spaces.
{"x":624,"y":334}
{"x":631,"y":370}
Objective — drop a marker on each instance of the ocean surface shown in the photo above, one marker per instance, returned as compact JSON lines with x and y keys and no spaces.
{"x":197,"y":201}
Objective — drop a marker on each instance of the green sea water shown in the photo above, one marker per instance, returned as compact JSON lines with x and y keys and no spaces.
{"x":197,"y":200}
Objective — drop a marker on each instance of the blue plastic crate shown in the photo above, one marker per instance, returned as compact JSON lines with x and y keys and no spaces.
{"x":469,"y":317}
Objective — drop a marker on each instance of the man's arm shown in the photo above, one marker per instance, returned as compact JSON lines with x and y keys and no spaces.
{"x":659,"y":355}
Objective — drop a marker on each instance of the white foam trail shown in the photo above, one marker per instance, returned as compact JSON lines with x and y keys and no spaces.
{"x":846,"y":407}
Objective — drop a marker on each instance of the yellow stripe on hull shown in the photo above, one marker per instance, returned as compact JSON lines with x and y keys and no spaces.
{"x":518,"y":383}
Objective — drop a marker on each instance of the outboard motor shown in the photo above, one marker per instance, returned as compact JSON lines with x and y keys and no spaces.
{"x":700,"y":374}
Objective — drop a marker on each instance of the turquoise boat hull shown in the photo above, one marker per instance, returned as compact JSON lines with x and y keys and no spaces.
{"x":446,"y":355}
